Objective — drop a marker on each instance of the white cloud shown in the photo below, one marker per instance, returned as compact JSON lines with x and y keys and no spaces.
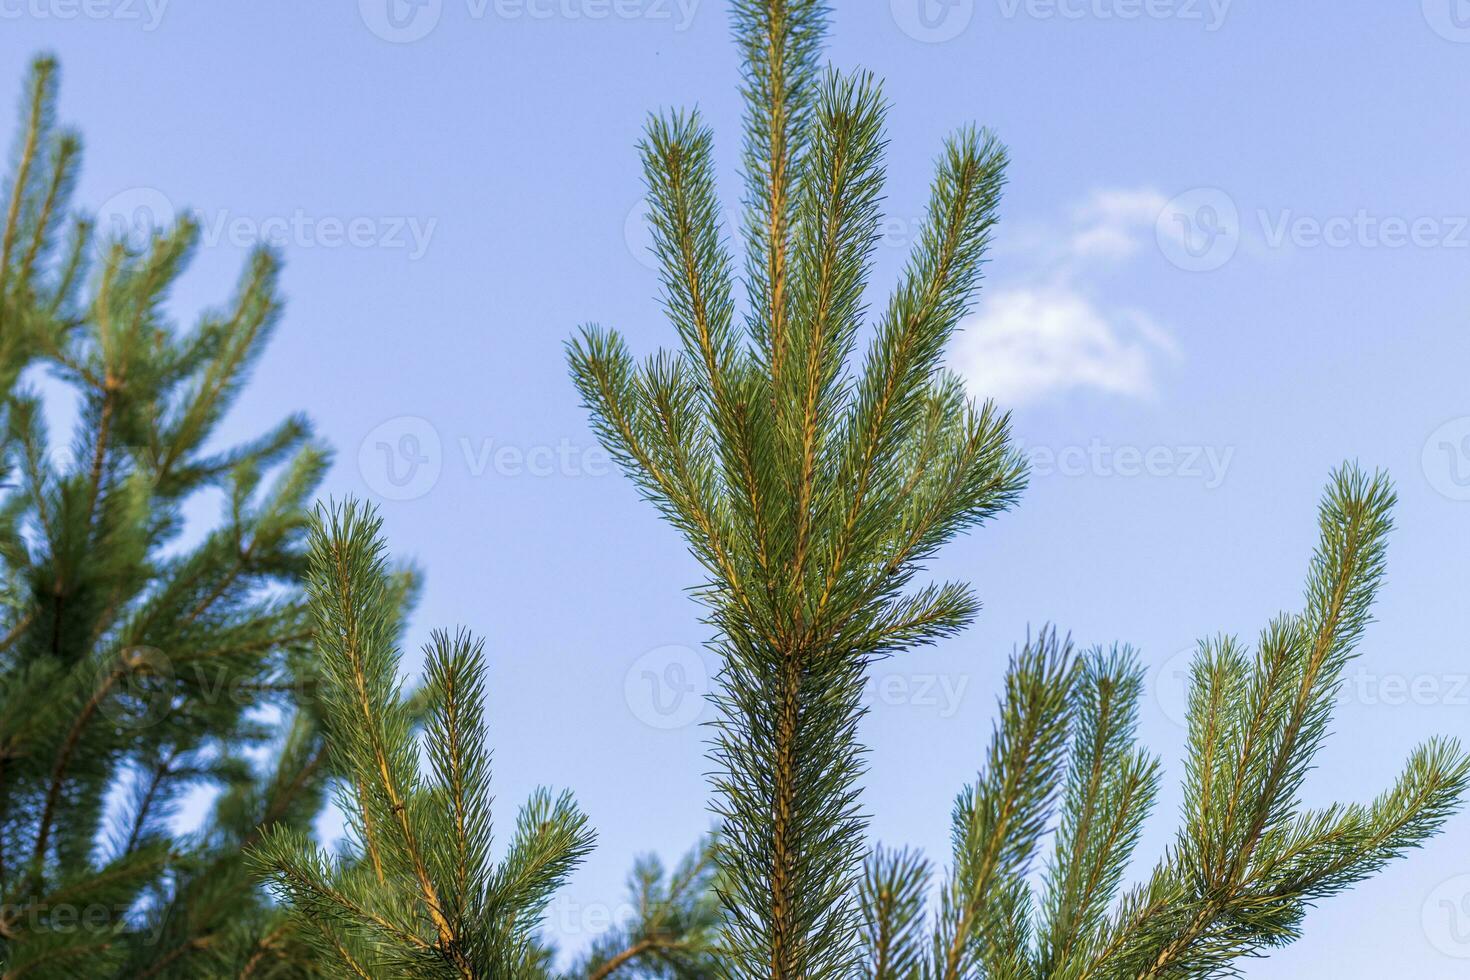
{"x":1025,"y":344}
{"x":1113,"y":224}
{"x":1051,"y":334}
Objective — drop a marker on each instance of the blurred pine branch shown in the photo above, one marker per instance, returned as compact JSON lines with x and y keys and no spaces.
{"x":138,"y":662}
{"x":1249,"y":860}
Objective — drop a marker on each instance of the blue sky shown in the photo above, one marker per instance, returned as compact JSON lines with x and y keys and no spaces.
{"x":1234,"y":253}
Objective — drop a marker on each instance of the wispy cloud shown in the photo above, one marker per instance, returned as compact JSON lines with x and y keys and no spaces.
{"x":1046,"y":330}
{"x":1114,"y":224}
{"x":1027,"y":343}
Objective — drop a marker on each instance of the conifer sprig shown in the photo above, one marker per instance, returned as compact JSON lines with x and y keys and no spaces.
{"x":134,"y":663}
{"x":985,"y":907}
{"x":218,"y":922}
{"x":811,"y":484}
{"x":418,"y":896}
{"x":891,"y":895}
{"x":1110,"y":788}
{"x":1249,"y":860}
{"x":674,"y":929}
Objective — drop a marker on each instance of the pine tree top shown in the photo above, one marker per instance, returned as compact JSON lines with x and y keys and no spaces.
{"x":811,"y":482}
{"x":140,"y":655}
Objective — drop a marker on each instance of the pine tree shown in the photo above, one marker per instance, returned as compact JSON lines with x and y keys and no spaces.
{"x":1249,"y":859}
{"x":811,"y":490}
{"x":216,"y":922}
{"x":417,"y":895}
{"x":674,"y":931}
{"x":137,"y":661}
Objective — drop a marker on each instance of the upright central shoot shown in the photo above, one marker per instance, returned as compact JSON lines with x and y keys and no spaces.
{"x":812,"y":484}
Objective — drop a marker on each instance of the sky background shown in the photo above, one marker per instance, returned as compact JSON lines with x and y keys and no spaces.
{"x":1234,"y":253}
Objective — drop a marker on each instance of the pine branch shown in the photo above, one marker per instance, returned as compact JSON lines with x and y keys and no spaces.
{"x":1109,"y":793}
{"x":811,"y":497}
{"x":118,"y":642}
{"x":41,"y":102}
{"x":674,"y":930}
{"x":998,"y":822}
{"x":780,"y":42}
{"x":1249,"y":863}
{"x":892,"y":900}
{"x":418,"y":895}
